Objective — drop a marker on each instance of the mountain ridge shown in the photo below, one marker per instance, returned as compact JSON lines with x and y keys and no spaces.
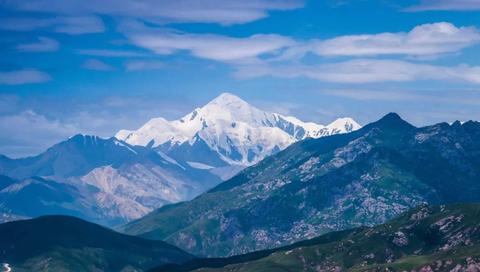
{"x":326,"y":184}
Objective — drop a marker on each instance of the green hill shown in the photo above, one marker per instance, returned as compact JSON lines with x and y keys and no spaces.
{"x":63,"y":243}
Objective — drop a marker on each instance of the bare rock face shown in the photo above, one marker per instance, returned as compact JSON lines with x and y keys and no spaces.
{"x":468,"y":264}
{"x":400,"y":239}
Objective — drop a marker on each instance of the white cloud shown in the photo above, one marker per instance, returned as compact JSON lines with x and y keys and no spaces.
{"x":464,"y":5}
{"x":365,"y":71}
{"x":97,"y":65}
{"x":74,"y":25}
{"x":20,"y":77}
{"x":209,"y":46}
{"x":141,"y":65}
{"x":203,"y":11}
{"x":278,"y":56}
{"x":43,"y":44}
{"x":423,"y":40}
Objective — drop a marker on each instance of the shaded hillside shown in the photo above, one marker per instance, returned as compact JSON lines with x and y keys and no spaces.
{"x":62,"y":243}
{"x":440,"y":238}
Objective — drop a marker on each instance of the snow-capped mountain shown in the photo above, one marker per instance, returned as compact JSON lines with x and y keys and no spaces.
{"x":228,"y":132}
{"x":111,"y":181}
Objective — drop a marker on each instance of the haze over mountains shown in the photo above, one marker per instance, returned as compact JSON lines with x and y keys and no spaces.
{"x":321,"y":185}
{"x":101,"y":180}
{"x":111,"y":181}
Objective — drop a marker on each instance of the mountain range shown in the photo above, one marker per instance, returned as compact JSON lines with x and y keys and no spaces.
{"x":114,"y":180}
{"x":315,"y":186}
{"x":381,"y":198}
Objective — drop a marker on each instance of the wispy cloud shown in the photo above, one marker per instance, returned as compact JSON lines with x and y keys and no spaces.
{"x":20,"y":77}
{"x":210,"y":46}
{"x":375,"y":95}
{"x":463,"y":97}
{"x":164,"y":11}
{"x":109,"y":53}
{"x":25,"y":24}
{"x":142,"y":65}
{"x":43,"y":44}
{"x":73,"y":25}
{"x":97,"y":65}
{"x":423,"y":40}
{"x":365,"y":71}
{"x":461,"y":5}
{"x":80,"y":25}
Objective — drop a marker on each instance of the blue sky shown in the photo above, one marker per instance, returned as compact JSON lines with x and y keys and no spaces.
{"x":78,"y":66}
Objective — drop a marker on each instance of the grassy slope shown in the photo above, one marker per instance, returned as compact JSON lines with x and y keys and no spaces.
{"x":442,"y":237}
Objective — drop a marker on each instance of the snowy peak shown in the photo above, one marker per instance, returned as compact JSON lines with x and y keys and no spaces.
{"x":228,"y":108}
{"x":228,"y":99}
{"x":156,"y":131}
{"x":237,"y":132}
{"x":344,"y":125}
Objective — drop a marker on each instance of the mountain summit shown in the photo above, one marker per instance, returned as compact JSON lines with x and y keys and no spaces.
{"x":392,"y":121}
{"x":228,"y":132}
